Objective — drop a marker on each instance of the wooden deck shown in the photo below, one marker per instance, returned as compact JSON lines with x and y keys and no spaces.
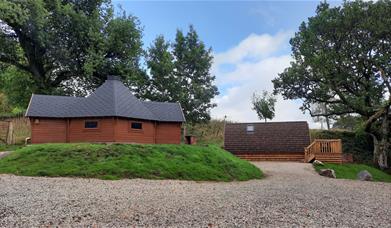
{"x":325,"y":150}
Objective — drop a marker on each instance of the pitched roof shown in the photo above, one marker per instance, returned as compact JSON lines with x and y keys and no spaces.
{"x":112,"y":98}
{"x":266,"y":137}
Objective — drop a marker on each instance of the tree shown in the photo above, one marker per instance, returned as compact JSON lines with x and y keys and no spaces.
{"x":70,"y":46}
{"x":193,"y":85}
{"x":320,"y":108}
{"x":348,"y":122}
{"x":342,"y":58}
{"x":264,"y":105}
{"x":160,"y":62}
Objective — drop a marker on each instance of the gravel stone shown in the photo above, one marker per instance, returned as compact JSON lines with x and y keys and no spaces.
{"x":4,"y":153}
{"x":291,"y":195}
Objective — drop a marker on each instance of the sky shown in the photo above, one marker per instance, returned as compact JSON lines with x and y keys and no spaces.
{"x":249,"y":40}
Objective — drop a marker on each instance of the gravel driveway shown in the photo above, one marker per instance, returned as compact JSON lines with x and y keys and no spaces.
{"x":292,"y":194}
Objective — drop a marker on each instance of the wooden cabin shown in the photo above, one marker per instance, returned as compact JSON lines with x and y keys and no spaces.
{"x":279,"y":141}
{"x":110,"y":114}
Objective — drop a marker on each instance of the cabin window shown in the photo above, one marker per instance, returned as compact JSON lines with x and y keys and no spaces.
{"x":91,"y":124}
{"x":136,"y":125}
{"x":250,"y":128}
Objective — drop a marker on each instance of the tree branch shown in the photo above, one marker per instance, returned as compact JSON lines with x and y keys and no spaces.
{"x":4,"y":59}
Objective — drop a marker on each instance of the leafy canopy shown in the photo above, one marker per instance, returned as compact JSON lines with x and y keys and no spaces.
{"x":70,"y":46}
{"x":180,"y":72}
{"x":264,"y":105}
{"x":341,"y":58}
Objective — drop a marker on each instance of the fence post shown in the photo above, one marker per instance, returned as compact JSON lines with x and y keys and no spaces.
{"x":10,"y":134}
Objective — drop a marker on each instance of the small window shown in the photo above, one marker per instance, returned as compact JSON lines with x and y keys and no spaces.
{"x":136,"y":125}
{"x":250,"y":128}
{"x":91,"y":124}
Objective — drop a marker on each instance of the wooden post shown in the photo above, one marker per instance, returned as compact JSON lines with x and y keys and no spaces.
{"x":10,"y":134}
{"x":340,"y":146}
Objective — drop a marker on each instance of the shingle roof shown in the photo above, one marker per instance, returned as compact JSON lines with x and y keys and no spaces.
{"x":286,"y":137}
{"x":112,"y":98}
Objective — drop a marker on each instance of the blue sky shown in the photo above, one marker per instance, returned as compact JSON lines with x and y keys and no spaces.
{"x":250,"y":41}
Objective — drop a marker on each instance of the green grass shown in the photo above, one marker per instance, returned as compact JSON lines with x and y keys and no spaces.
{"x":116,"y":161}
{"x":4,"y":147}
{"x":350,"y":171}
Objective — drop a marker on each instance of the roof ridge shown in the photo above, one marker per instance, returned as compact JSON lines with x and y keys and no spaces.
{"x":114,"y":97}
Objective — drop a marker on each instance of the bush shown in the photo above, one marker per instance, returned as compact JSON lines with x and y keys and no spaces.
{"x":361,"y":146}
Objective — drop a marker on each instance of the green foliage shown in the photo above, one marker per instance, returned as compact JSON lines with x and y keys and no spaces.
{"x":182,"y":74}
{"x":129,"y":161}
{"x":18,"y":86}
{"x":160,"y":62}
{"x":359,"y":145}
{"x":211,"y":132}
{"x":4,"y":104}
{"x":348,"y":122}
{"x":195,"y":88}
{"x":70,"y":46}
{"x":264,"y":105}
{"x":5,"y":147}
{"x":350,"y":171}
{"x":332,"y":64}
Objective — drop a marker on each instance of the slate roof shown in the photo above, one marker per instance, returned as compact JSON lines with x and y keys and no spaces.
{"x":112,"y":98}
{"x":281,"y":137}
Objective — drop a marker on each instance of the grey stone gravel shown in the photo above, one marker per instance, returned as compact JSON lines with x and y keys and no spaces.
{"x":4,"y":153}
{"x":291,"y":195}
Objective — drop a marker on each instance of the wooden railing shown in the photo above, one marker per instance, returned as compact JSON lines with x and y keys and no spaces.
{"x":322,"y":146}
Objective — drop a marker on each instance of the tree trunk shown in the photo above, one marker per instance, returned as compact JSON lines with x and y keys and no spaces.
{"x":380,"y":150}
{"x":381,"y":144}
{"x":328,"y":122}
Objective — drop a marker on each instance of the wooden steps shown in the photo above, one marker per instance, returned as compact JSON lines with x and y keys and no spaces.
{"x":329,"y":157}
{"x":298,"y":157}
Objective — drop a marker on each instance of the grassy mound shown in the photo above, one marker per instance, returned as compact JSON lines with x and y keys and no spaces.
{"x":350,"y":171}
{"x":129,"y":161}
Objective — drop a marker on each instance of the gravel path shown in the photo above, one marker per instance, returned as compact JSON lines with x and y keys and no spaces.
{"x":4,"y":153}
{"x":292,"y":194}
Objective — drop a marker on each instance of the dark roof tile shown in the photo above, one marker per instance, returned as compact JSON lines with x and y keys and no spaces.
{"x":112,"y":98}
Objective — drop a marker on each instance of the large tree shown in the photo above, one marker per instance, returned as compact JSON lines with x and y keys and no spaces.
{"x":342,"y":58}
{"x":182,"y":74}
{"x":70,"y":46}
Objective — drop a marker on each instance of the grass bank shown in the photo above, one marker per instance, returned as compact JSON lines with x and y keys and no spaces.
{"x":350,"y":171}
{"x":116,"y":161}
{"x":5,"y":147}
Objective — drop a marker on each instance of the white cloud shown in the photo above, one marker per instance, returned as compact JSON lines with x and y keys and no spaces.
{"x":254,"y":62}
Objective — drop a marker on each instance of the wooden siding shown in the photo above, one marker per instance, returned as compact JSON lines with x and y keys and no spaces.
{"x":168,"y":133}
{"x":104,"y":132}
{"x":124,"y":133}
{"x":109,"y":130}
{"x":48,"y":130}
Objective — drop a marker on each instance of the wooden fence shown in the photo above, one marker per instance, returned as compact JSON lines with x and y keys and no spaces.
{"x":14,"y":130}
